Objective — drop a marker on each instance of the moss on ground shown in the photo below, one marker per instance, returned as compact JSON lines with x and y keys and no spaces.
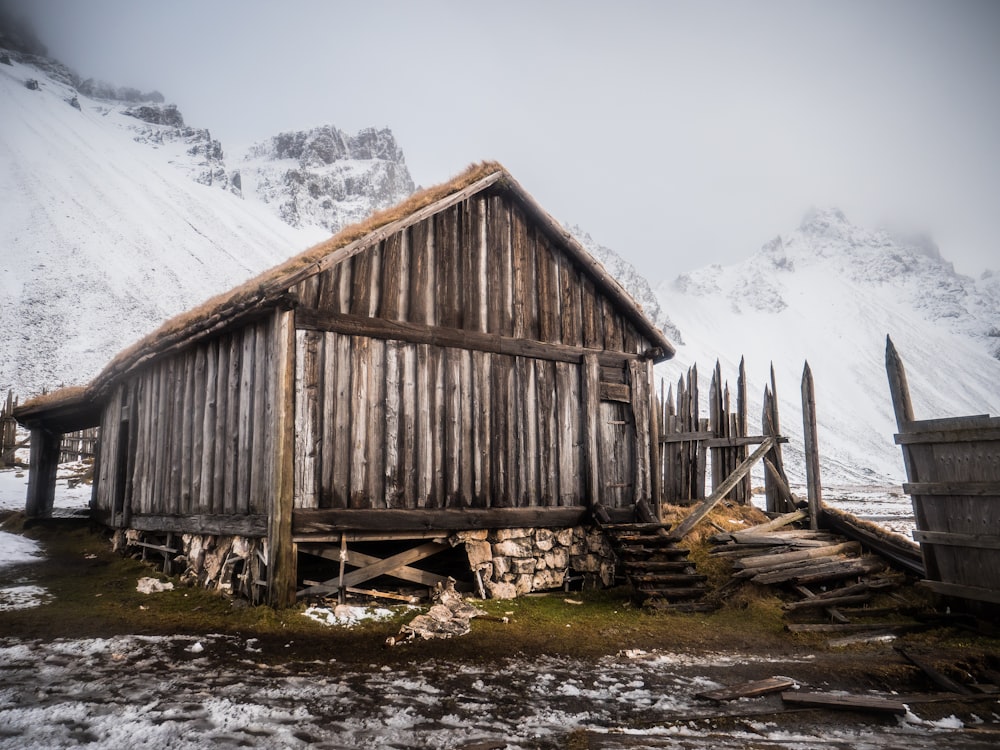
{"x":93,"y":594}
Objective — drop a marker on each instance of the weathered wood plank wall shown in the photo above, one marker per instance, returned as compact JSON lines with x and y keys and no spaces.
{"x":197,"y":428}
{"x":471,"y":394}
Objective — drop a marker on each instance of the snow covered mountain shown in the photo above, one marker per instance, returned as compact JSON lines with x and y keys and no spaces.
{"x":829,"y":293}
{"x":116,"y":214}
{"x":324,"y":177}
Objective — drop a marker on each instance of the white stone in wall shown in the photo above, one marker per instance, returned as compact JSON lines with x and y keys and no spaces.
{"x":502,"y":535}
{"x":520,"y":547}
{"x":500,"y":590}
{"x":479,"y":552}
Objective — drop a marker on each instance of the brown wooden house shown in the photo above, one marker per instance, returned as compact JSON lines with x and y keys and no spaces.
{"x":459,"y":362}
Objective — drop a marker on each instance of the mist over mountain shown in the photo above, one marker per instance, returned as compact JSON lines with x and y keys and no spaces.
{"x":828,"y":293}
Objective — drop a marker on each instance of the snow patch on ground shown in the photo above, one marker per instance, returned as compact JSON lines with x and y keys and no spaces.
{"x":346,"y":615}
{"x":192,"y":692}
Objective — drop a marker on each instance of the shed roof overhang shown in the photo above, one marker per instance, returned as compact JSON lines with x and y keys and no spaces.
{"x":65,"y":410}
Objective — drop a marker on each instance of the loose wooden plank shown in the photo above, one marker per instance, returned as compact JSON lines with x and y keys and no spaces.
{"x":938,"y":678}
{"x":825,"y":572}
{"x":843,"y":702}
{"x":765,"y":561}
{"x":748,"y":689}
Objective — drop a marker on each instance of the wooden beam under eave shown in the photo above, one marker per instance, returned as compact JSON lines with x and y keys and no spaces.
{"x":281,"y":556}
{"x":43,"y":462}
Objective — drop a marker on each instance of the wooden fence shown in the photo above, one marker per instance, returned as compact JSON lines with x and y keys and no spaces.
{"x":75,"y":446}
{"x":692,"y":445}
{"x":8,"y":430}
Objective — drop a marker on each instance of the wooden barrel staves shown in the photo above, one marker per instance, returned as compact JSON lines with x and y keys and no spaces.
{"x":953,"y":468}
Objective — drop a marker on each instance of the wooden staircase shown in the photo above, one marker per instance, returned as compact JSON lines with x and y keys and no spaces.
{"x":656,"y":568}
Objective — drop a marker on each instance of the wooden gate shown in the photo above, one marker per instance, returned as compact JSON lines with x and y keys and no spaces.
{"x":953,"y":467}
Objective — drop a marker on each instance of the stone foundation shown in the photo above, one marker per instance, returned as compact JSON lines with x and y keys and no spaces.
{"x":514,"y":562}
{"x":230,"y":564}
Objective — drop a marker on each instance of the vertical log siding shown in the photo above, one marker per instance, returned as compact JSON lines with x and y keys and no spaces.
{"x":480,"y":265}
{"x":197,"y":424}
{"x":385,"y":423}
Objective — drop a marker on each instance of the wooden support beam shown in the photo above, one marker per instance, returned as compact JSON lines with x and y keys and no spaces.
{"x":459,"y":338}
{"x":705,"y":507}
{"x":946,"y":539}
{"x":43,"y":462}
{"x":281,"y":563}
{"x":387,"y":566}
{"x":774,"y":523}
{"x":360,"y":560}
{"x":958,"y":489}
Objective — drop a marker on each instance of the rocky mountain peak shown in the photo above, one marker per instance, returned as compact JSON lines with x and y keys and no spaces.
{"x":327,"y":178}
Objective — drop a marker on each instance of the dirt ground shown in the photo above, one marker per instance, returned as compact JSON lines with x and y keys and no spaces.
{"x":92,"y":595}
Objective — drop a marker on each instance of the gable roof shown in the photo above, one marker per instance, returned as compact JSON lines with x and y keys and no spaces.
{"x":270,"y":288}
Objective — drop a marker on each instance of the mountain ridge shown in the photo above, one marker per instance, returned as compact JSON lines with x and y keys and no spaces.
{"x":828,"y":293}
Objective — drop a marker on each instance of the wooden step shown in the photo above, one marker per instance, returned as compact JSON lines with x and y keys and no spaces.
{"x":671,"y":593}
{"x":634,"y":527}
{"x":669,"y":578}
{"x":652,"y":540}
{"x":643,"y":551}
{"x":650,"y":565}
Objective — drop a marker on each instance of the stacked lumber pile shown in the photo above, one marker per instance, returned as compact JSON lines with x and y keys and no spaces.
{"x":822,"y":573}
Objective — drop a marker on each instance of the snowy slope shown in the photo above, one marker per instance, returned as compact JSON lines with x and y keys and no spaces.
{"x":103,"y":236}
{"x":829,"y":293}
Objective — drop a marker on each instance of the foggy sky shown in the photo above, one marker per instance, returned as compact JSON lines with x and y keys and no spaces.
{"x":677,"y":133}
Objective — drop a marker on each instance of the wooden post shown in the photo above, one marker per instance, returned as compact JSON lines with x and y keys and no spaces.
{"x":770,"y":487}
{"x":281,"y":557}
{"x":898,"y":388}
{"x":811,"y":447}
{"x":591,"y":398}
{"x":745,"y":487}
{"x":43,"y":462}
{"x":655,"y":480}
